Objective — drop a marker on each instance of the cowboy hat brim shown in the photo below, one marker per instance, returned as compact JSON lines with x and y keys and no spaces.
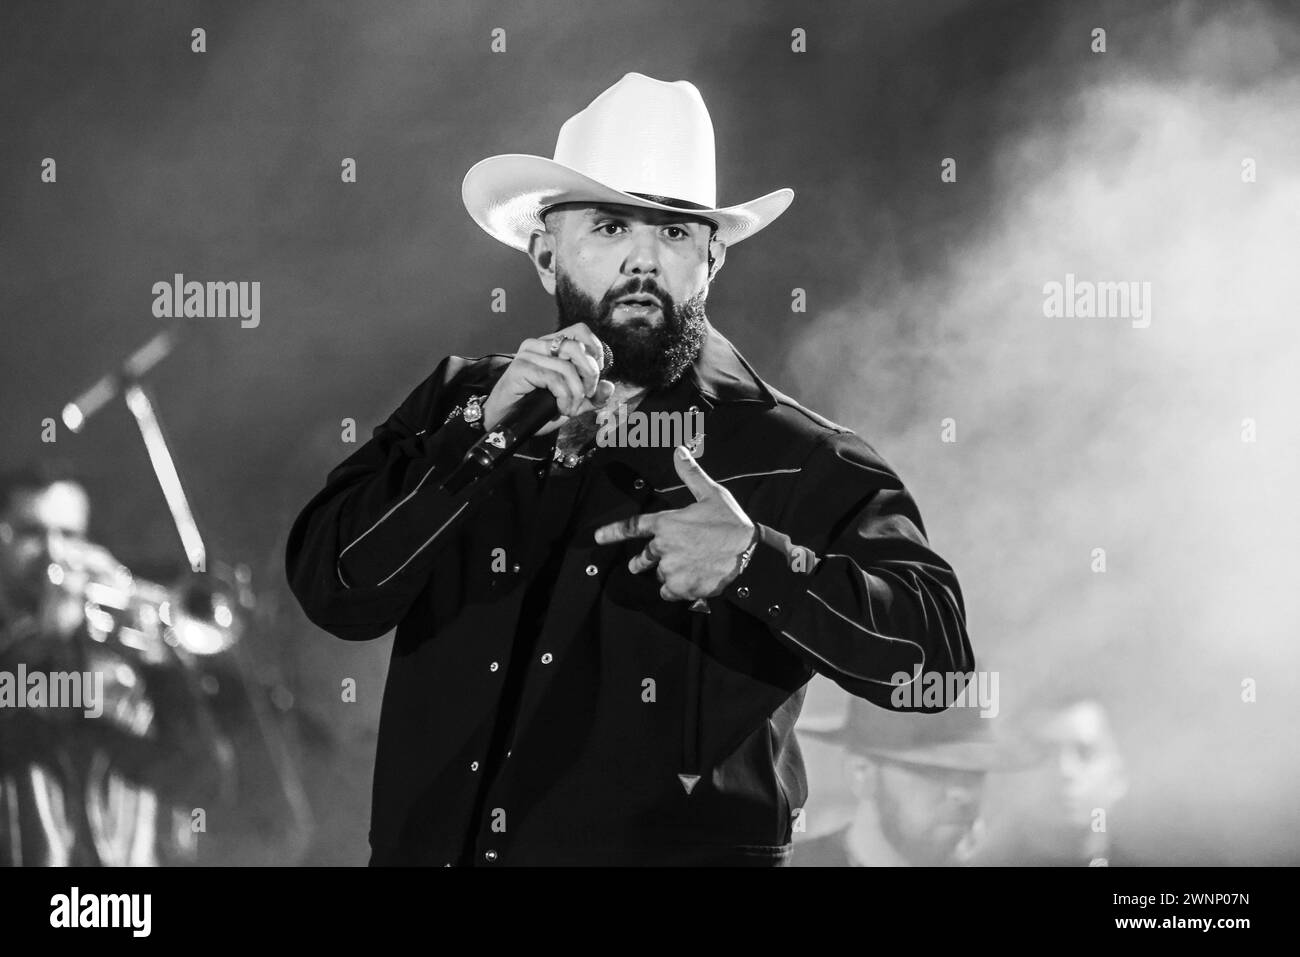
{"x":505,"y":195}
{"x":977,"y":755}
{"x":960,"y":756}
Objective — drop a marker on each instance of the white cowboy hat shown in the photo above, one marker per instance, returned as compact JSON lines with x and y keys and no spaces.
{"x":643,"y":142}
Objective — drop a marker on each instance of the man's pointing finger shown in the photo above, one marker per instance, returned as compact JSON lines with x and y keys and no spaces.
{"x":693,"y":474}
{"x":638,"y":526}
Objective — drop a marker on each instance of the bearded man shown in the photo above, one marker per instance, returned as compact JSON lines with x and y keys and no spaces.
{"x":601,"y":650}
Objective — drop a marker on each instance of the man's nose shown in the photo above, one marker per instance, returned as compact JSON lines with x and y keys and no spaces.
{"x":643,"y":257}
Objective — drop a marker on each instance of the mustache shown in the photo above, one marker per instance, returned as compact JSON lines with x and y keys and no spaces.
{"x":642,"y":288}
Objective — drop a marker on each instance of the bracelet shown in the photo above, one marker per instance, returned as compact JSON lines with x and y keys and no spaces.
{"x":471,"y":412}
{"x":747,"y":554}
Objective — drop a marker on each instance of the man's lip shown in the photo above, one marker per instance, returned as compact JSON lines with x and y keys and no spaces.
{"x":631,"y":301}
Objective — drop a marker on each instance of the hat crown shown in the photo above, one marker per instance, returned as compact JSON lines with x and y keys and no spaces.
{"x":884,"y":729}
{"x":644,"y":135}
{"x":957,"y":737}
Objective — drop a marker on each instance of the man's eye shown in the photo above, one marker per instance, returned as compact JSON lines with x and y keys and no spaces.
{"x":683,"y":232}
{"x":604,"y":225}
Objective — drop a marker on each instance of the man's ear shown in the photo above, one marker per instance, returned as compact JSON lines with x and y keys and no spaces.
{"x":718,"y":250}
{"x":541,"y":250}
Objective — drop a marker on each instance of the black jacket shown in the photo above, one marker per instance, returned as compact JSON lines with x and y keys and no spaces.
{"x":826,"y":850}
{"x":102,"y":791}
{"x":644,"y":731}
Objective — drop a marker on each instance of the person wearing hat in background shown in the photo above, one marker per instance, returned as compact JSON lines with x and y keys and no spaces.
{"x":1063,"y":811}
{"x":918,"y":780}
{"x":601,"y":650}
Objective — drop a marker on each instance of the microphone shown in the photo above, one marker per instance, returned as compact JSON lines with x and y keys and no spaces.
{"x":520,"y":423}
{"x":76,"y":412}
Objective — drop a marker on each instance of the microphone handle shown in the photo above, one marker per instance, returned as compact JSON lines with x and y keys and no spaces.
{"x":524,"y":421}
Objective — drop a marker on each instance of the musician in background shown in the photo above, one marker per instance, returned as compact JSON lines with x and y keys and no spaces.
{"x":919,"y":783}
{"x":76,"y":789}
{"x":1063,"y":812}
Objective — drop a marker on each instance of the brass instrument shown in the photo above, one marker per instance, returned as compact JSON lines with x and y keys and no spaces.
{"x":201,"y":616}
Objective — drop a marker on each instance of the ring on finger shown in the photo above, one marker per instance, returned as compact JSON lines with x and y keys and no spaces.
{"x":557,"y":344}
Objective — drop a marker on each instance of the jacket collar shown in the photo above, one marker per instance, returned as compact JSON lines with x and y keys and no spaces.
{"x":719,"y":378}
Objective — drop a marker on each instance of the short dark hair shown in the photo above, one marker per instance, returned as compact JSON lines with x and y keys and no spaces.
{"x":34,"y":477}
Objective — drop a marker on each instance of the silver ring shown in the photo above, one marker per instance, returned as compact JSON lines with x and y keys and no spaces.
{"x":557,"y":344}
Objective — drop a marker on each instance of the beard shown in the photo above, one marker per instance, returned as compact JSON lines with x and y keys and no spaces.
{"x":646,"y":353}
{"x":932,"y":844}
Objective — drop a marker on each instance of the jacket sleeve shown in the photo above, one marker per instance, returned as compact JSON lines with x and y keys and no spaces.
{"x":850,"y":583}
{"x":361,"y":550}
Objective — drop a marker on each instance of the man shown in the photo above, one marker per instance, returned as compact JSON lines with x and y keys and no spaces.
{"x":601,"y":650}
{"x":1061,"y":813}
{"x":112,"y":782}
{"x":918,"y":780}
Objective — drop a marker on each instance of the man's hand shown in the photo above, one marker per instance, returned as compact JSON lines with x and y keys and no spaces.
{"x":80,"y":563}
{"x":93,"y":562}
{"x":571,"y":374}
{"x":695,"y":550}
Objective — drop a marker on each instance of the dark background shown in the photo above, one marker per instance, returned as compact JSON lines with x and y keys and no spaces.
{"x":925,"y":302}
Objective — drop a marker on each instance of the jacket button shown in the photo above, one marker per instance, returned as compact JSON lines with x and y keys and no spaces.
{"x":639,"y":484}
{"x":592,"y":569}
{"x":490,"y":855}
{"x":774,"y":610}
{"x":473,"y":765}
{"x":742,"y":591}
{"x":493,"y":667}
{"x":547,"y":659}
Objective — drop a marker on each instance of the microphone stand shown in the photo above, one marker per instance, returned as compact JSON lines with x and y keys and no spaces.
{"x":140,"y":402}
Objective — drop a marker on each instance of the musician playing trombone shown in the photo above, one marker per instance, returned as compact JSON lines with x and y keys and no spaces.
{"x":110,"y":782}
